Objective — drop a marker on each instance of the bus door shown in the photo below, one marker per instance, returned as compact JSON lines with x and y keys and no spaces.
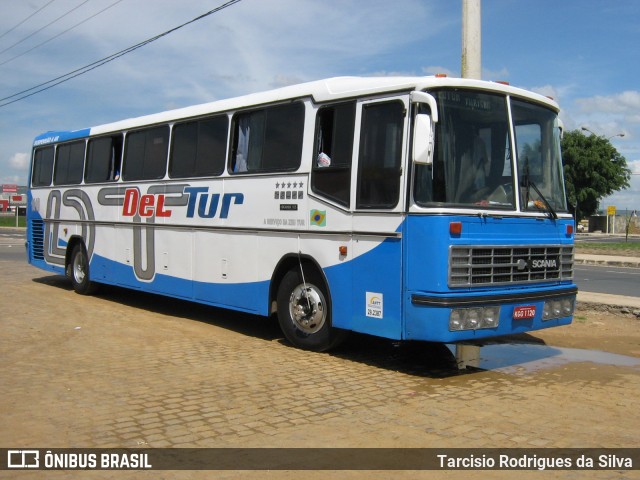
{"x":377,"y":181}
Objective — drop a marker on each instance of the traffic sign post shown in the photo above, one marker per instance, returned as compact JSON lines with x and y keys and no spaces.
{"x":16,"y":200}
{"x":611,"y":212}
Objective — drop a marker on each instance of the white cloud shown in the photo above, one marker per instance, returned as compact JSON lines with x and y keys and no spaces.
{"x":625,"y":102}
{"x":630,"y":197}
{"x":634,"y":166}
{"x":19,"y":161}
{"x":610,"y":116}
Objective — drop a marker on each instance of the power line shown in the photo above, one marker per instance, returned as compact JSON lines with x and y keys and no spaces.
{"x":60,"y":34}
{"x":92,"y":66}
{"x":33,"y":14}
{"x":42,"y":28}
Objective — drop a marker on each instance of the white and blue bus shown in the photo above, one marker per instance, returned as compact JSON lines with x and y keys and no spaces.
{"x":411,"y":208}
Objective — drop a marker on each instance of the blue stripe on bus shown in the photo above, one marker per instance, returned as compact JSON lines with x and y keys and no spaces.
{"x":348,"y":300}
{"x":247,"y":297}
{"x":377,"y":271}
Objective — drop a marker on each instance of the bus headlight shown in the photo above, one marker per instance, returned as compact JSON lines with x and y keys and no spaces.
{"x":474,"y":318}
{"x":558,"y":308}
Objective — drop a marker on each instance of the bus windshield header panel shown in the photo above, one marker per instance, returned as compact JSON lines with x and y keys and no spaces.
{"x":474,"y":166}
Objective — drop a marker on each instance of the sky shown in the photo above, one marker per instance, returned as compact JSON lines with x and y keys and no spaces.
{"x":583,"y":53}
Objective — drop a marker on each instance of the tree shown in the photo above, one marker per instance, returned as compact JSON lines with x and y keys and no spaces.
{"x":593,"y":169}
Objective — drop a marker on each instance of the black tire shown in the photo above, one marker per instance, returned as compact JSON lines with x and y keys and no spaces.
{"x":305,"y":315}
{"x":78,"y":269}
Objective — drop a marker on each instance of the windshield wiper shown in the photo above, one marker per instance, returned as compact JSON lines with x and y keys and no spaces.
{"x":528,"y":183}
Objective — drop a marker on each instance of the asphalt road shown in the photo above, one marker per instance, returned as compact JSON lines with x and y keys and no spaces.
{"x":12,"y":245}
{"x":606,"y":238}
{"x":605,"y":279}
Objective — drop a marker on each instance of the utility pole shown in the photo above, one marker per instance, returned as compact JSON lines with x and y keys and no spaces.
{"x":468,"y":355}
{"x":471,"y":39}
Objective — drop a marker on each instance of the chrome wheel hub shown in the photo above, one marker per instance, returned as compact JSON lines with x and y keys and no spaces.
{"x":79,"y":269}
{"x":307,"y":308}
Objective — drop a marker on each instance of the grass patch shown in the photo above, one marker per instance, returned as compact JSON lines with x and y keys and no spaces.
{"x":625,"y":249}
{"x":11,"y":221}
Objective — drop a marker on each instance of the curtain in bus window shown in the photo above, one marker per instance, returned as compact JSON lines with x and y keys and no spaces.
{"x":103,"y":159}
{"x":331,"y":174}
{"x":242,"y":153}
{"x":269,"y":140}
{"x":250,"y":142}
{"x":380,"y":155}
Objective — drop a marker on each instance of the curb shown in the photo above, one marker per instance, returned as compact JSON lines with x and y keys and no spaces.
{"x":631,"y":263}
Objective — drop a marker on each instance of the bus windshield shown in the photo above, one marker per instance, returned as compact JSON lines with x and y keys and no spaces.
{"x":473,"y":164}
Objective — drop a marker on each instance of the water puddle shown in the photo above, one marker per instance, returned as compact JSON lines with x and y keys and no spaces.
{"x":527,"y":358}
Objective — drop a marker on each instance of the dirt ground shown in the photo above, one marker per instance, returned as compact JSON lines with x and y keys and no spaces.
{"x":631,"y":251}
{"x":594,"y":329}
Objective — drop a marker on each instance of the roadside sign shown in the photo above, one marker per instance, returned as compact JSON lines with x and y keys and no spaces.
{"x":611,"y":210}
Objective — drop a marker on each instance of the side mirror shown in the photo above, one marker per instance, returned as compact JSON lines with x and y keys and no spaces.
{"x":423,"y":128}
{"x":423,"y":136}
{"x":561,"y":128}
{"x":423,"y":97}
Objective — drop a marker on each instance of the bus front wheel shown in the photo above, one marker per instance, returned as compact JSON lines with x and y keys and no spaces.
{"x":79,"y":271}
{"x":304,"y":313}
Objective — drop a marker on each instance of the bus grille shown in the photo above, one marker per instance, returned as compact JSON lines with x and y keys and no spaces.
{"x":37,"y":239}
{"x":502,"y":265}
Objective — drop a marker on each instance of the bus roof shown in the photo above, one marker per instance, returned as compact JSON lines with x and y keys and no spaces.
{"x":330,"y":89}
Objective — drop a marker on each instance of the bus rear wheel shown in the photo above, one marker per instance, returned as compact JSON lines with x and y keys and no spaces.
{"x":304,"y":313}
{"x":79,"y":271}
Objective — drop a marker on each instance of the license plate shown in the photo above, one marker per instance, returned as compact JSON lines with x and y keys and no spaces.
{"x":524,"y":313}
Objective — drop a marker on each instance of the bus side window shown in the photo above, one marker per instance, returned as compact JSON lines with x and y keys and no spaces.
{"x":104,"y":156}
{"x":331,"y":172}
{"x":198,"y":148}
{"x":145,"y":155}
{"x":268,"y":140}
{"x":42,"y":167}
{"x":380,"y":157}
{"x":69,"y":164}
